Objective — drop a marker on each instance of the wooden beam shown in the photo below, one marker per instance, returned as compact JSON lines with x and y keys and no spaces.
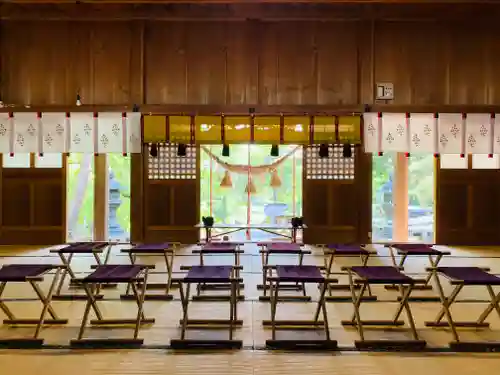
{"x":249,"y":11}
{"x":400,"y":198}
{"x":100,"y":197}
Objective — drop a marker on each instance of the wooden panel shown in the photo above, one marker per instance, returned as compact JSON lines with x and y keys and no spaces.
{"x":48,"y":204}
{"x":17,"y":199}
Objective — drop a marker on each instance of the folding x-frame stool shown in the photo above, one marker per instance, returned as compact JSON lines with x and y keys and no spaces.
{"x":135,"y":275}
{"x":33,"y":274}
{"x":209,"y":274}
{"x":383,"y":275}
{"x":300,"y":274}
{"x":461,"y":277}
{"x":167,"y":250}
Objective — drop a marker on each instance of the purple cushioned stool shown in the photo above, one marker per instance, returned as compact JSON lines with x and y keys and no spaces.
{"x":33,"y":274}
{"x":302,"y":274}
{"x":213,"y":275}
{"x":460,"y":277}
{"x":165,"y":249}
{"x":281,"y":248}
{"x":136,"y":276}
{"x":66,"y":254}
{"x":383,"y":275}
{"x":335,"y":250}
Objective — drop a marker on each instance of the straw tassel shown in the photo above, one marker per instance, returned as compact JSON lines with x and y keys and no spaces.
{"x":226,"y":181}
{"x":250,"y":189}
{"x":275,"y":179}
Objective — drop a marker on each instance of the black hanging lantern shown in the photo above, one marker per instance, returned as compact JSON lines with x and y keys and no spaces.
{"x":347,"y":151}
{"x":153,"y":150}
{"x":225,"y":150}
{"x":275,"y":151}
{"x":181,"y":150}
{"x":323,"y":151}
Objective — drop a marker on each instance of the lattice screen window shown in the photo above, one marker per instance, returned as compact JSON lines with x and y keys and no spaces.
{"x":168,"y":166}
{"x":334,"y":167}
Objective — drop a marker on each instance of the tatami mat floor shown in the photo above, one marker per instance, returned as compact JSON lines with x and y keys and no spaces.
{"x":167,"y":315}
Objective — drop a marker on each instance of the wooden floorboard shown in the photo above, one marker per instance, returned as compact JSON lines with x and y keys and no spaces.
{"x":252,"y":312}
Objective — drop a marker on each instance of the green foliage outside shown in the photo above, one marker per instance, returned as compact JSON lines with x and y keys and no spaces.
{"x":80,"y":203}
{"x":229,"y":205}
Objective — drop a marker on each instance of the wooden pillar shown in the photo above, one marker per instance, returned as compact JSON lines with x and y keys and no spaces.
{"x":400,"y":198}
{"x":101,"y":197}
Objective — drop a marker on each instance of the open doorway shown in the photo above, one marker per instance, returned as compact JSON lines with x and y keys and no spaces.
{"x":416,"y":177}
{"x":250,"y":186}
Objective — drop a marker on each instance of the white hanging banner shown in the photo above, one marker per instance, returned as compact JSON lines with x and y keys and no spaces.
{"x":26,"y":126}
{"x":81,"y":131}
{"x":496,"y":134}
{"x":451,"y":133}
{"x":54,"y":132}
{"x":423,"y":133}
{"x":479,"y":133}
{"x":395,"y":132}
{"x":134,"y":132}
{"x":110,"y":132}
{"x":5,"y":133}
{"x":371,"y":132}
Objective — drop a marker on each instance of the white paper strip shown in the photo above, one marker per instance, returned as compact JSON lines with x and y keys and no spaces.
{"x":54,"y":132}
{"x":4,"y":133}
{"x":423,"y":133}
{"x":394,"y":132}
{"x":110,"y":133}
{"x":26,"y":132}
{"x":82,"y":132}
{"x":496,"y":134}
{"x":479,"y":133}
{"x":370,"y":128}
{"x":450,"y":133}
{"x":134,"y":132}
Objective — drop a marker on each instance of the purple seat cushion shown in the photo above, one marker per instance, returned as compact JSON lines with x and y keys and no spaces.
{"x":340,"y":249}
{"x":84,"y":247}
{"x":303,"y":274}
{"x":283,"y":247}
{"x":151,"y":248}
{"x":219,"y":248}
{"x":470,"y":275}
{"x":382,"y":275}
{"x":213,"y":274}
{"x":121,"y":273}
{"x":19,"y":272}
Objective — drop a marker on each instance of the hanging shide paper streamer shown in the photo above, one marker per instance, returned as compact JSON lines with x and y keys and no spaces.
{"x":250,"y":189}
{"x":275,"y":179}
{"x":226,"y":181}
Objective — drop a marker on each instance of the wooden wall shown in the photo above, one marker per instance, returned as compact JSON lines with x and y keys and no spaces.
{"x":308,"y":58}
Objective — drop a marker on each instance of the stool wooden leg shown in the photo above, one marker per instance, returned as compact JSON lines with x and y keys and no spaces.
{"x":185,"y":304}
{"x":140,"y":304}
{"x":46,"y":300}
{"x":10,"y":315}
{"x":492,"y":306}
{"x":88,"y":290}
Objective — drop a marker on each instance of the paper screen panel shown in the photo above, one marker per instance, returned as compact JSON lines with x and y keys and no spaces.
{"x":479,"y":134}
{"x":324,"y":129}
{"x":168,"y":166}
{"x":267,"y":129}
{"x":349,"y":129}
{"x":424,"y":132}
{"x":334,"y":167}
{"x":296,"y":129}
{"x":134,"y":130}
{"x":54,"y":132}
{"x":484,"y":161}
{"x":5,"y":131}
{"x":19,"y":160}
{"x":82,"y":132}
{"x":450,"y":133}
{"x":49,"y":160}
{"x":453,"y":161}
{"x":237,"y":129}
{"x":110,"y":132}
{"x":208,"y":129}
{"x":394,"y":132}
{"x":26,"y":127}
{"x":371,"y":132}
{"x":155,"y":129}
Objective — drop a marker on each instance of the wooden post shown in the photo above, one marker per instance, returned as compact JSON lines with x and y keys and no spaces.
{"x":101,"y":197}
{"x":400,"y":198}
